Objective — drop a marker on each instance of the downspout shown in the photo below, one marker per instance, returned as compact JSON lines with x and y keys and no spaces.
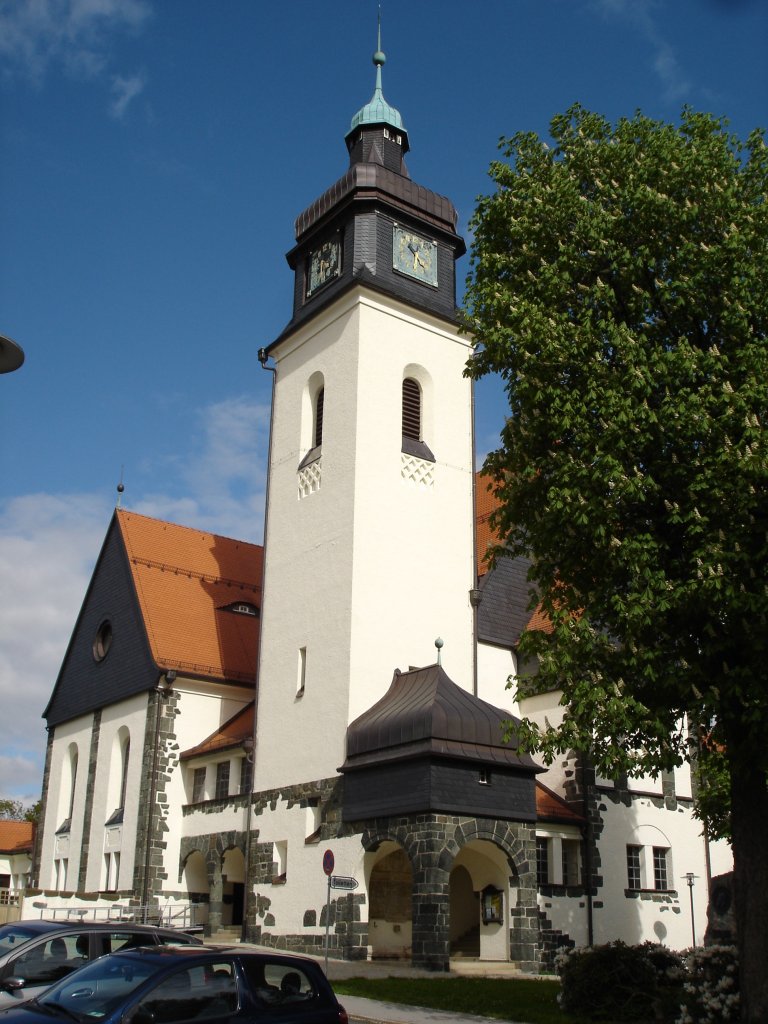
{"x":474,"y":593}
{"x":263,"y":357}
{"x":587,"y":856}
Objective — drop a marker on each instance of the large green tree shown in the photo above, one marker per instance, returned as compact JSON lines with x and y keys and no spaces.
{"x":618,"y":284}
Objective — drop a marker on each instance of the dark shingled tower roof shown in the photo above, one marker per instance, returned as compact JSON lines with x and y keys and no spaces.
{"x":424,"y":712}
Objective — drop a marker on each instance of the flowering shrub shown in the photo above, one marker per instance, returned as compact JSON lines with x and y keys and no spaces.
{"x":650,"y":983}
{"x":711,"y":989}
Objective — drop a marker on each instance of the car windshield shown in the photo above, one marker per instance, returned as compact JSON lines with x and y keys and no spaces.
{"x":12,"y":935}
{"x":98,"y":988}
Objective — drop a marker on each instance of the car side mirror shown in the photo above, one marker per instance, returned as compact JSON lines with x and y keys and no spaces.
{"x":142,"y":1016}
{"x":12,"y":984}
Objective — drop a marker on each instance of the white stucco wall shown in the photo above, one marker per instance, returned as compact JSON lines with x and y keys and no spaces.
{"x":66,"y":846}
{"x":366,"y":572}
{"x":495,"y":665}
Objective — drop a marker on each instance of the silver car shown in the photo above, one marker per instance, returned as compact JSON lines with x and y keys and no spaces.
{"x":35,"y":954}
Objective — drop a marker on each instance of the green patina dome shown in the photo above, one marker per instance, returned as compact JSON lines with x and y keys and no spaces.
{"x":377,"y":110}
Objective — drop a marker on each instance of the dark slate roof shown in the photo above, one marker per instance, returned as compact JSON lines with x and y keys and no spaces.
{"x":425,"y":712}
{"x":505,"y":605}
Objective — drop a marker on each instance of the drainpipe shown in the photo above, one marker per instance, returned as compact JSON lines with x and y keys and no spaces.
{"x":474,"y":594}
{"x":587,"y":856}
{"x":263,"y":357}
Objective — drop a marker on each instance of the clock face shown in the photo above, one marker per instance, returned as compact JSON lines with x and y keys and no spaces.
{"x":414,"y":255}
{"x":324,"y":265}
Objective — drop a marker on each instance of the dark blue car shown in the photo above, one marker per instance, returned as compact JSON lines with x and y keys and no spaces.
{"x":165,"y":985}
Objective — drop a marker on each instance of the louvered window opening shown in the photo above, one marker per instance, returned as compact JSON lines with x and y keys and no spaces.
{"x":319,"y":402}
{"x":411,"y":409}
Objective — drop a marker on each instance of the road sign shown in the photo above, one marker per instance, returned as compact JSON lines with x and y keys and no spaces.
{"x":343,"y":882}
{"x":328,"y":862}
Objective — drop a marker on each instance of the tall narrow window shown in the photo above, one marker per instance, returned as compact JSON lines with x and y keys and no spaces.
{"x":246,"y":776}
{"x":198,"y":785}
{"x":411,"y":409}
{"x":633,"y":867}
{"x":73,"y":777}
{"x":301,"y":677}
{"x":542,"y":860}
{"x":660,"y":873}
{"x":126,"y":753}
{"x":222,"y":780}
{"x":319,"y":403}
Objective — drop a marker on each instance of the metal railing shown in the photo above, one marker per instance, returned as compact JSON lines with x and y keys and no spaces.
{"x":182,"y":916}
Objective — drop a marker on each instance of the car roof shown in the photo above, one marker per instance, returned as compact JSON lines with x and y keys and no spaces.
{"x":40,"y":927}
{"x":165,"y":954}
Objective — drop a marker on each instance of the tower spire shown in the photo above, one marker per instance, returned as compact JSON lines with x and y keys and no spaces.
{"x":377,"y":111}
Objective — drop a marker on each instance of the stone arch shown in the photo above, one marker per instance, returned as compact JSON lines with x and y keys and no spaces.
{"x":432,"y":844}
{"x":232,"y":886}
{"x":193,"y":874}
{"x":389,"y":884}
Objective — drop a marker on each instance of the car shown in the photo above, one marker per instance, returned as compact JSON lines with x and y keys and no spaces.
{"x":173,"y":985}
{"x":34,"y":954}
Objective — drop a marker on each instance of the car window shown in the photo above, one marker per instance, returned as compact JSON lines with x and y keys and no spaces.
{"x":51,"y":959}
{"x":99,"y":988}
{"x":206,"y":991}
{"x":11,"y":936}
{"x":278,"y":983}
{"x":125,"y":939}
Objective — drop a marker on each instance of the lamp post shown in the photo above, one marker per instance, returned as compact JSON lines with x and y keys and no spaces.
{"x":163,"y":689}
{"x":248,"y":748}
{"x":690,"y":878}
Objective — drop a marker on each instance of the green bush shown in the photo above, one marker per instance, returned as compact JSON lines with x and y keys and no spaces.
{"x":621,"y":982}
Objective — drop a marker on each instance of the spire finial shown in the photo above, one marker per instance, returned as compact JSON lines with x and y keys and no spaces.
{"x":379,"y":57}
{"x":439,"y":646}
{"x":120,"y":487}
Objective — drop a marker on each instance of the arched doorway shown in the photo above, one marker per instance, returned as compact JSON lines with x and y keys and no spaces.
{"x":197,"y":886}
{"x":390,"y":886}
{"x":479,"y":866}
{"x":233,"y":887}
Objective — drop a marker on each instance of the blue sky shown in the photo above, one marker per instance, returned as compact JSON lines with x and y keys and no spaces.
{"x":155,"y":155}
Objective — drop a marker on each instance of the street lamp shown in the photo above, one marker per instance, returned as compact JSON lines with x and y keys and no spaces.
{"x":690,"y":878}
{"x":248,"y":748}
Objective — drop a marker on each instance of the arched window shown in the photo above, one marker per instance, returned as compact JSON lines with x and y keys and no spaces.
{"x":411,"y":409}
{"x":126,"y":754}
{"x":318,"y":432}
{"x":413,"y":441}
{"x":73,"y":777}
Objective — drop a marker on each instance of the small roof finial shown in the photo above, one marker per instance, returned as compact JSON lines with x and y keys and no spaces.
{"x":120,"y":487}
{"x":439,"y":645}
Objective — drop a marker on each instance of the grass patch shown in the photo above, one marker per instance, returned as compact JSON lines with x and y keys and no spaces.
{"x":513,"y":999}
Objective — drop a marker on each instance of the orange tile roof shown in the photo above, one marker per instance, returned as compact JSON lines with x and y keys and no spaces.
{"x":231,"y":734}
{"x":485,"y":503}
{"x":184,"y":578}
{"x":551,"y":807}
{"x":16,"y":836}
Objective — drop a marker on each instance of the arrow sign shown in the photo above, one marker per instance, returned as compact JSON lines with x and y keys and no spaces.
{"x":343,"y":882}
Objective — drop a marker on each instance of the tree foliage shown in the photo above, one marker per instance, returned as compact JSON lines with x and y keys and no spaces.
{"x":618,"y":286}
{"x":14,"y":810}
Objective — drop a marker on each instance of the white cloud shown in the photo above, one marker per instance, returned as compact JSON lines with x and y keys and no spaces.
{"x":664,"y":62}
{"x":75,"y":36}
{"x":49,"y":545}
{"x":125,"y":90}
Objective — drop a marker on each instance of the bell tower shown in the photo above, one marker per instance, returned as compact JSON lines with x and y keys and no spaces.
{"x":369,"y":545}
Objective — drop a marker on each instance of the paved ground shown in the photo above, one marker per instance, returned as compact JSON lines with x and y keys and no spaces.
{"x":372,"y":1011}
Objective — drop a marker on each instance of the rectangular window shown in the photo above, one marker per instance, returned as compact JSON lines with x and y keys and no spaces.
{"x":222,"y":780}
{"x":279,"y":861}
{"x":484,"y":776}
{"x":570,"y":851}
{"x":633,"y":867}
{"x":660,"y":879}
{"x":542,"y":860}
{"x":198,"y":785}
{"x":246,"y":776}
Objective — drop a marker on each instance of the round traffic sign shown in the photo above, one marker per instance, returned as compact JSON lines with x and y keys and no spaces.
{"x":328,"y":862}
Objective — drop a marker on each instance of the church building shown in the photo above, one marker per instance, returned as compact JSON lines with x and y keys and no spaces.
{"x":316,"y":737}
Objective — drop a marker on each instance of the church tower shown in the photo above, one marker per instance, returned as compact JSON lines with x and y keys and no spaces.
{"x":369,"y":547}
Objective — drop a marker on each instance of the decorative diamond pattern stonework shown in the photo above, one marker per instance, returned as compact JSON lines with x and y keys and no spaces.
{"x":417,"y":471}
{"x":309,"y":479}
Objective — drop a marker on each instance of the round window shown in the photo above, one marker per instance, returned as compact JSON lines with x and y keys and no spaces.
{"x":103,"y":640}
